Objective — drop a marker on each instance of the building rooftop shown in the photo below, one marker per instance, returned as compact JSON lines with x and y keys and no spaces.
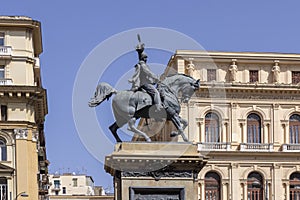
{"x":15,"y":17}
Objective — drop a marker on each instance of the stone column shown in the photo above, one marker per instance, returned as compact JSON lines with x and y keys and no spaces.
{"x":202,"y":131}
{"x":266,"y":138}
{"x":225,"y":190}
{"x":202,"y":189}
{"x":224,"y":132}
{"x":244,"y":132}
{"x":287,"y":191}
{"x":180,"y":66}
{"x":22,"y":156}
{"x":244,"y":186}
{"x":285,"y":125}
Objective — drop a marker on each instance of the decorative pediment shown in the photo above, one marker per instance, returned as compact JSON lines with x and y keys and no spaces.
{"x":6,"y":169}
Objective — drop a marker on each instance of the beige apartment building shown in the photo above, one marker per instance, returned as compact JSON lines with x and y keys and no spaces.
{"x":71,"y":184}
{"x":75,"y":186}
{"x":23,"y":101}
{"x":246,"y":118}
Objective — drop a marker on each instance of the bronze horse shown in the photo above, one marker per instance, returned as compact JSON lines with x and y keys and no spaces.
{"x":128,"y":106}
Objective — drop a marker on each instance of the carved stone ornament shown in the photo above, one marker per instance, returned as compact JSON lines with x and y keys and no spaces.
{"x":35,"y":136}
{"x":21,"y":133}
{"x":159,"y":174}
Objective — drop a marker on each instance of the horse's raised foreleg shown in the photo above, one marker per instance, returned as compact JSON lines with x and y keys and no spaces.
{"x":113,"y":128}
{"x":177,"y":120}
{"x":131,"y":127}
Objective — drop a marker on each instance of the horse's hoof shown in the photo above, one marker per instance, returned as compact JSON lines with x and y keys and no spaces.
{"x":148,"y":140}
{"x":173,"y":134}
{"x":119,"y":141}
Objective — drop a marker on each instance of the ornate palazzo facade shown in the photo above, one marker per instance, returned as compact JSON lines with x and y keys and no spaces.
{"x":246,"y":119}
{"x":23,"y":102}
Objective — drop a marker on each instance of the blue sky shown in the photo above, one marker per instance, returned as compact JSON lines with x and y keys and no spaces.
{"x":72,"y":29}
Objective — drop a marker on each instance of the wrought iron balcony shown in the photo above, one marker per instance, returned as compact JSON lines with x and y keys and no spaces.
{"x":5,"y":51}
{"x":216,"y":146}
{"x":6,"y":81}
{"x":256,"y":147}
{"x":291,"y":147}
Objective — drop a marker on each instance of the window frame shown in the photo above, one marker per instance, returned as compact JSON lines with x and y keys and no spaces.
{"x":3,"y":112}
{"x":3,"y":188}
{"x":211,"y":75}
{"x":56,"y":184}
{"x":257,"y":178}
{"x":253,"y":78}
{"x":294,"y":182}
{"x":212,"y":128}
{"x":254,"y":132}
{"x":212,"y":185}
{"x":64,"y":190}
{"x":295,"y":77}
{"x":2,"y":72}
{"x":294,"y":129}
{"x":2,"y":39}
{"x":3,"y":149}
{"x":75,"y":182}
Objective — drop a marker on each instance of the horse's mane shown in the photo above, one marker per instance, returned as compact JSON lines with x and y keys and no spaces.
{"x":169,"y":77}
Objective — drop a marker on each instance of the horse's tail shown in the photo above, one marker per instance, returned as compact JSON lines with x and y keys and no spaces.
{"x":103,"y":91}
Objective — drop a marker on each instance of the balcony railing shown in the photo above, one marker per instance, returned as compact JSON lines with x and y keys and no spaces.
{"x":5,"y":51}
{"x":218,"y":146}
{"x":291,"y":147}
{"x":6,"y":81}
{"x":256,"y":147}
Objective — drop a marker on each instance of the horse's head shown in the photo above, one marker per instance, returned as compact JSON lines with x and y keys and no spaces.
{"x":182,"y":85}
{"x":188,"y":89}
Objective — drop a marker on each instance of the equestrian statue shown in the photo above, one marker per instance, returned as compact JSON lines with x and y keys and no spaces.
{"x":147,"y":92}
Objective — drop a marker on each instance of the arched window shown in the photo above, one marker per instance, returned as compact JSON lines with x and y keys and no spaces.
{"x":255,"y":186}
{"x":3,"y":149}
{"x":294,"y":124}
{"x":212,"y":186}
{"x":212,"y":128}
{"x":253,"y":128}
{"x":3,"y":188}
{"x":295,"y":186}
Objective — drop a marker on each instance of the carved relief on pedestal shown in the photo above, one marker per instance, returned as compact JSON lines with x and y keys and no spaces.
{"x":21,"y":133}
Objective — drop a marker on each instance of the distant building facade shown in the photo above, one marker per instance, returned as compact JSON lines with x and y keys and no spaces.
{"x":246,"y":118}
{"x":74,"y":186}
{"x":23,"y":107}
{"x":71,"y":184}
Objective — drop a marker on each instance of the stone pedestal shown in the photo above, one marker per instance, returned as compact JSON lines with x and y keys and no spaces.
{"x":155,"y":170}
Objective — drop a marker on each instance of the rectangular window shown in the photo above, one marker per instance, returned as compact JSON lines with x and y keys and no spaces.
{"x":74,"y":182}
{"x":211,"y":75}
{"x":64,"y":190}
{"x":295,"y":77}
{"x":2,"y":72}
{"x":3,"y":113}
{"x":56,"y":184}
{"x":253,"y":76}
{"x":1,"y":39}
